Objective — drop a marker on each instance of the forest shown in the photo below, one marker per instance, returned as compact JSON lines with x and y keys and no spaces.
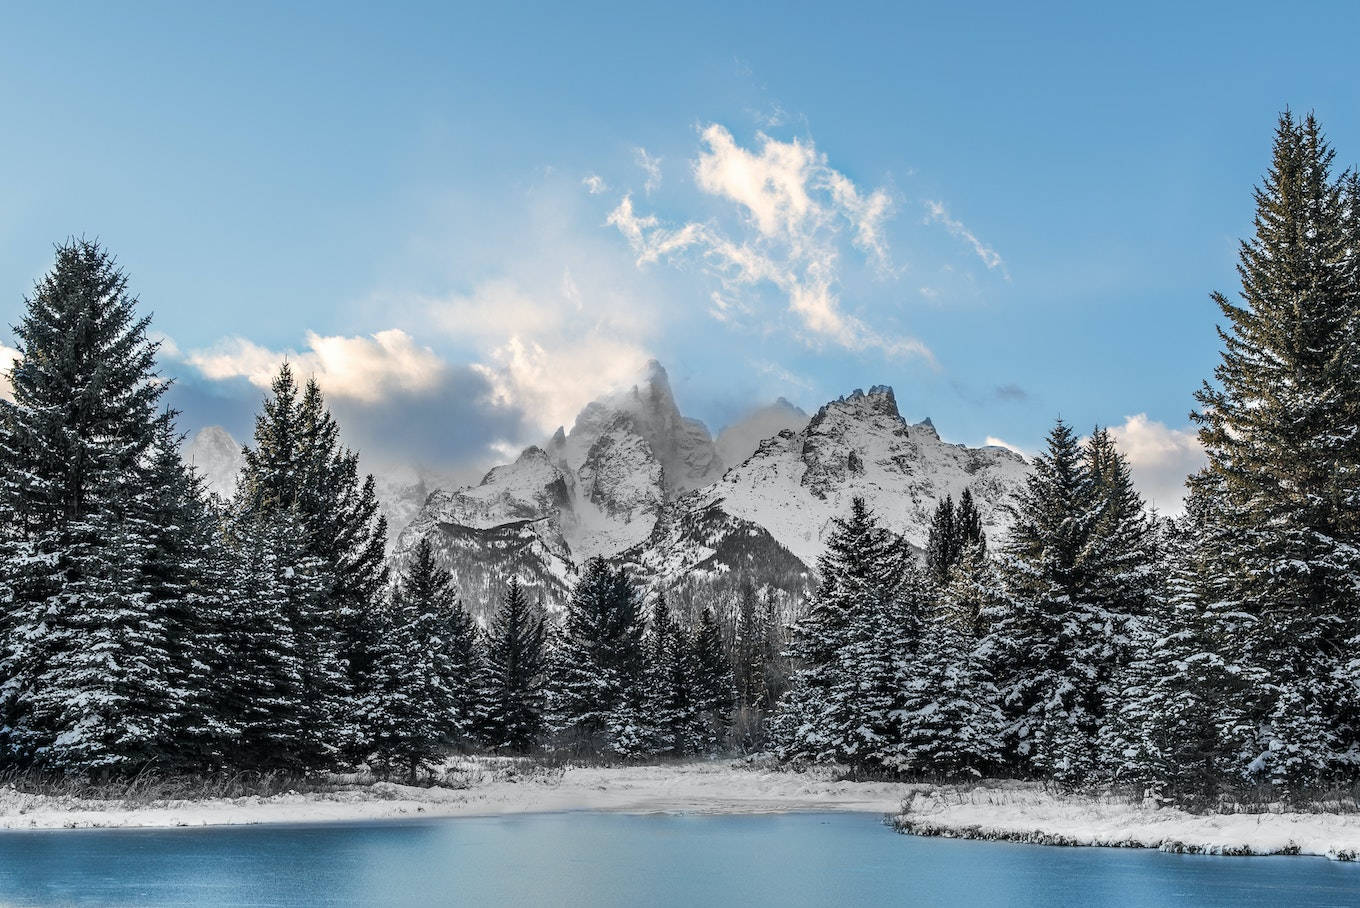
{"x":149,"y":626}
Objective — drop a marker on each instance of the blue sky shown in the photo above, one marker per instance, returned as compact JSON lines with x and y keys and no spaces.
{"x":469,"y":221}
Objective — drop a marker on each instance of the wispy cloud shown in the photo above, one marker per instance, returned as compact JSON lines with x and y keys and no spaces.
{"x":791,"y":206}
{"x":937,"y":213}
{"x":595,"y":184}
{"x":651,"y":165}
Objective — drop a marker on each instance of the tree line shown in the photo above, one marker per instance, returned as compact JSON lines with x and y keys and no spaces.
{"x":1195,"y":657}
{"x":147,"y":623}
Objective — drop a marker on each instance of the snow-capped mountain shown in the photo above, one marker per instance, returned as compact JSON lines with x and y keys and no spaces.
{"x":217,"y":458}
{"x":636,"y":481}
{"x":785,"y":495}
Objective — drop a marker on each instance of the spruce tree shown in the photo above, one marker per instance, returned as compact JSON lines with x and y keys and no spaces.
{"x":73,"y":448}
{"x":599,"y":659}
{"x":517,"y":661}
{"x":1046,"y":647}
{"x":298,"y":473}
{"x":1282,"y":434}
{"x":942,"y":541}
{"x":714,"y":695}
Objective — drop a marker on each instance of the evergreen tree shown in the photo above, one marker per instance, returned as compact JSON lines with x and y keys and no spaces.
{"x":752,"y":642}
{"x":516,"y":661}
{"x":862,"y":626}
{"x":73,"y":447}
{"x":298,"y":468}
{"x":968,"y":523}
{"x":952,"y":721}
{"x":1281,"y":430}
{"x":942,"y":541}
{"x":1046,"y":647}
{"x":599,"y":657}
{"x":713,"y":688}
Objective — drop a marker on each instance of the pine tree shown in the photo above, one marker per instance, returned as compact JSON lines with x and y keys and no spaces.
{"x":184,"y":576}
{"x":1046,"y":647}
{"x":298,"y":468}
{"x":968,"y":523}
{"x":1180,"y":724}
{"x":951,"y":718}
{"x":73,"y":445}
{"x":862,"y":626}
{"x":517,"y":661}
{"x":752,"y":639}
{"x":713,"y":688}
{"x":1282,"y":434}
{"x":942,"y":541}
{"x":599,"y":657}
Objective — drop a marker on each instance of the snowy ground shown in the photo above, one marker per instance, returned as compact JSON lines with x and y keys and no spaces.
{"x":1012,"y":811}
{"x":1023,"y":812}
{"x":492,"y":789}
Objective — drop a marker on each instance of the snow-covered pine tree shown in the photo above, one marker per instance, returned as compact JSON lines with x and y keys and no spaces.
{"x":184,"y":574}
{"x":861,"y":627}
{"x":516,"y":664}
{"x":599,"y":656}
{"x":1046,"y":645}
{"x":73,"y":444}
{"x":968,"y":522}
{"x":1180,"y":725}
{"x":297,"y":467}
{"x":952,"y":725}
{"x":714,"y":694}
{"x":752,"y":640}
{"x":942,"y":541}
{"x":1281,"y":428}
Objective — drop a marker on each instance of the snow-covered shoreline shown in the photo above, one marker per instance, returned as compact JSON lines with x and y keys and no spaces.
{"x":1008,"y":811}
{"x":1025,"y":812}
{"x":694,"y":788}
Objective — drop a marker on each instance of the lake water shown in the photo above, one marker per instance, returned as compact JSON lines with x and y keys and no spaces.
{"x":616,"y":859}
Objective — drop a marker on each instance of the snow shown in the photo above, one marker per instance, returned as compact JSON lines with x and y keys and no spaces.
{"x":217,"y":457}
{"x":1026,"y":812}
{"x":494,"y":787}
{"x":1001,"y":810}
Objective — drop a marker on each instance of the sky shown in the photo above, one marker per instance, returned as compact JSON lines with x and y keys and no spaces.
{"x":467,"y":222}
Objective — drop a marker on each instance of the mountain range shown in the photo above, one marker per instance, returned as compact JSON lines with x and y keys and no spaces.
{"x":636,"y":481}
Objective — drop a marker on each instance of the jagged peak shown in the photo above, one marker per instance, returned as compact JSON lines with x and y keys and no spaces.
{"x":879,"y":400}
{"x":929,"y":426}
{"x":559,"y":437}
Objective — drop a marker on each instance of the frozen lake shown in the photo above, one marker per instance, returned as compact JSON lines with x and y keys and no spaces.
{"x":621,"y":859}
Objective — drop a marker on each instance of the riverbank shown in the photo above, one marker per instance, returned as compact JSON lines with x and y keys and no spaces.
{"x":1023,"y":812}
{"x":1006,"y":811}
{"x":487,"y":788}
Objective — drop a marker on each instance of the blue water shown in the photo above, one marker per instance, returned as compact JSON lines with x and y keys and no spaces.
{"x":613,"y":859}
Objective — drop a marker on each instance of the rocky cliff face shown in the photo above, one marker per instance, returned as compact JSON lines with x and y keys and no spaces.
{"x":636,"y":481}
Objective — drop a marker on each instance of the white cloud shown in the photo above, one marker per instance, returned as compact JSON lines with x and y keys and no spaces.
{"x":990,"y":257}
{"x":1160,"y":459}
{"x":651,"y":165}
{"x":551,"y":384}
{"x":595,"y":184}
{"x":8,"y":357}
{"x":793,"y":207}
{"x":550,"y":350}
{"x":995,"y":442}
{"x":361,"y":368}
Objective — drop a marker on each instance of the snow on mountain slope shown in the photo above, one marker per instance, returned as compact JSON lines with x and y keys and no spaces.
{"x":608,"y":488}
{"x":217,"y":458}
{"x":739,"y":441}
{"x":796,"y":482}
